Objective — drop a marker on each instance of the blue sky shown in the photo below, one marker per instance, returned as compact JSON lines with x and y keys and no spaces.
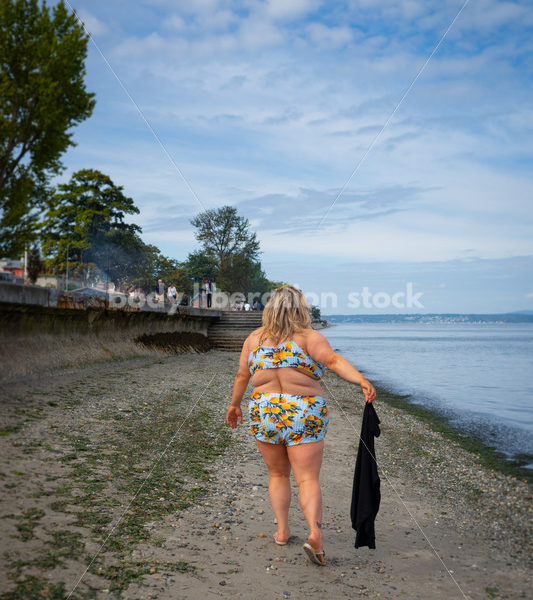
{"x":270,"y":105}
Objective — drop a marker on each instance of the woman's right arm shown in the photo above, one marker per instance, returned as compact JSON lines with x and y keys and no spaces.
{"x":320,"y":350}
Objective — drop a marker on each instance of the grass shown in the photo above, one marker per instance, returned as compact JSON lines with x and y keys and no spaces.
{"x":487,"y":455}
{"x":143,"y":457}
{"x":32,"y":587}
{"x":28,"y":521}
{"x":11,"y":429}
{"x":29,"y":414}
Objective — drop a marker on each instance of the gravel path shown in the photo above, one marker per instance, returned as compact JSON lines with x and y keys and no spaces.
{"x":447,"y":527}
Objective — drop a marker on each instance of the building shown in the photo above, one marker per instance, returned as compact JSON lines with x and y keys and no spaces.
{"x":15,"y":267}
{"x":12,"y":270}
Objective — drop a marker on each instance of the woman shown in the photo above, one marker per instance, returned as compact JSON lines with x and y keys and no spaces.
{"x":288,"y":413}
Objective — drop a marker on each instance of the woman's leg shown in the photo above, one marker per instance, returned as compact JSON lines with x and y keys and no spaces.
{"x":279,"y":487}
{"x":306,"y":460}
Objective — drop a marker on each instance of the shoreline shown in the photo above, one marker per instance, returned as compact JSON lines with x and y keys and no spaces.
{"x":513,"y":464}
{"x":79,"y":444}
{"x":489,"y":456}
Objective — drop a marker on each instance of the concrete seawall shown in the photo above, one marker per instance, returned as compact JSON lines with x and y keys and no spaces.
{"x":43,"y":329}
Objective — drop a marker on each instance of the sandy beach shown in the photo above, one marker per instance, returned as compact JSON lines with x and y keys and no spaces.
{"x":142,"y":442}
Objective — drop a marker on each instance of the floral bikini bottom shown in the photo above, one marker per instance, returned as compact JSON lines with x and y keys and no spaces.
{"x":287,"y":418}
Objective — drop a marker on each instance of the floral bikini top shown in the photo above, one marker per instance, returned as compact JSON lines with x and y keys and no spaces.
{"x":288,"y":354}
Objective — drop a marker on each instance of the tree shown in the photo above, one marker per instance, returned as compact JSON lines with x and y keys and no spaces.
{"x":42,"y":96}
{"x":315,"y":313}
{"x":239,"y":273}
{"x":139,"y":264}
{"x":224,"y":234}
{"x":172,"y":271}
{"x":230,"y":249}
{"x":35,"y":264}
{"x":86,"y":219}
{"x":199,"y":265}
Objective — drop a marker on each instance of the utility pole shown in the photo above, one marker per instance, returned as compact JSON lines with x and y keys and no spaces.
{"x":66,"y":281}
{"x":107,"y":282}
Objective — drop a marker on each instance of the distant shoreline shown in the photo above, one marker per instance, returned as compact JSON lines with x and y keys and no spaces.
{"x":321,"y":325}
{"x":518,"y":317}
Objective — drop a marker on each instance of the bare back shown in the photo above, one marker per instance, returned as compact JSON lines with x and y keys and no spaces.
{"x":285,"y":380}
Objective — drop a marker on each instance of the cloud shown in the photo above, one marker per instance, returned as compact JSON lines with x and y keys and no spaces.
{"x":174,"y":23}
{"x":92,"y":23}
{"x":329,"y":37}
{"x":270,"y":106}
{"x":302,"y":212}
{"x":283,"y":10}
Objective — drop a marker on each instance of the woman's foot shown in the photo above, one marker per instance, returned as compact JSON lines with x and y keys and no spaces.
{"x":281,"y":537}
{"x":316,"y":540}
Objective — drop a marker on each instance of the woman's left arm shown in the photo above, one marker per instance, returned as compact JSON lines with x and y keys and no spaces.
{"x":320,"y":350}
{"x":242,"y":378}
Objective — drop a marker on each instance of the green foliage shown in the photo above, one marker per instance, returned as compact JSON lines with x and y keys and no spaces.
{"x":86,"y":219}
{"x":224,"y":234}
{"x":315,"y":313}
{"x":199,"y":265}
{"x":172,"y":271}
{"x":42,"y":96}
{"x":230,"y":253}
{"x":239,"y":273}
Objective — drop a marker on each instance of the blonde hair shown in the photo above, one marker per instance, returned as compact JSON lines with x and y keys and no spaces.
{"x":286,"y":312}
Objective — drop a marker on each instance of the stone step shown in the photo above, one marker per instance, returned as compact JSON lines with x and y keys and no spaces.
{"x":244,"y":319}
{"x":238,"y":320}
{"x":237,"y":327}
{"x":236,"y":330}
{"x":227,"y":347}
{"x":240,"y":333}
{"x":231,"y":342}
{"x":232,"y":328}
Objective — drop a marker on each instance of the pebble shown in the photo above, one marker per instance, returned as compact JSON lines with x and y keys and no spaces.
{"x":457,"y":465}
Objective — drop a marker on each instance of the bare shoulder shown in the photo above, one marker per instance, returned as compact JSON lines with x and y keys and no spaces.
{"x":248,"y":345}
{"x":318,"y":346}
{"x":312,"y":336}
{"x":253,"y":337}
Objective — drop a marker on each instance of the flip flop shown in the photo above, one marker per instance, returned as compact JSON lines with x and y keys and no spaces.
{"x":313,"y":554}
{"x":279,"y":543}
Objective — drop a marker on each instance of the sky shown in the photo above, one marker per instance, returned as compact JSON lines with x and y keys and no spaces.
{"x":365,"y":154}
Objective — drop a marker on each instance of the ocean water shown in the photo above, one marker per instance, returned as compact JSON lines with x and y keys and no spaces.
{"x":479,"y":375}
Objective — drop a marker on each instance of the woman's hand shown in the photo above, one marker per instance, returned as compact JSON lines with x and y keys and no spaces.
{"x":368,"y":391}
{"x":233,"y":415}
